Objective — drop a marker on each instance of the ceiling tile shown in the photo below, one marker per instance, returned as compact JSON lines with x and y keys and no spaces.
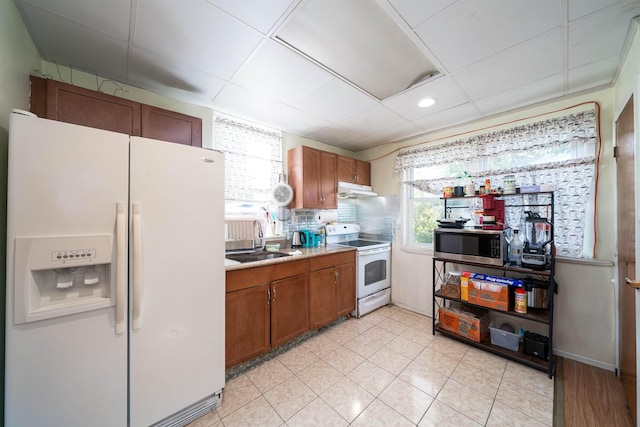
{"x":276,"y":71}
{"x":92,"y":14}
{"x":526,"y":94}
{"x":322,"y":101}
{"x":514,"y":67}
{"x":416,"y":12}
{"x":452,"y":116}
{"x":201,"y":35}
{"x":334,"y":135}
{"x":586,"y":44}
{"x":599,"y":73}
{"x":374,"y":120}
{"x":243,"y":103}
{"x":71,"y":44}
{"x":444,"y":89}
{"x":469,"y":30}
{"x":259,"y":14}
{"x":580,"y":8}
{"x":163,"y":75}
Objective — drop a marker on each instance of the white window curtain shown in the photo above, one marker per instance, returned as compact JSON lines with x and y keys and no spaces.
{"x":253,"y":159}
{"x":562,"y":151}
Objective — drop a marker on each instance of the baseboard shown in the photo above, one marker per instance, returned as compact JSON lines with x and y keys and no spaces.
{"x":585,"y":360}
{"x":406,"y":307}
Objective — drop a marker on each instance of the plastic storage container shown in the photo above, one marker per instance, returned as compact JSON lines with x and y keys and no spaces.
{"x":504,"y":338}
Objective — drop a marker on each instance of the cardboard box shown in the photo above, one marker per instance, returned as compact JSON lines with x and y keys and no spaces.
{"x":468,"y":322}
{"x":489,"y":294}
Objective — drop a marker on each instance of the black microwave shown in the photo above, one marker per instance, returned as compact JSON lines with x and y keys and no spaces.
{"x":481,"y":246}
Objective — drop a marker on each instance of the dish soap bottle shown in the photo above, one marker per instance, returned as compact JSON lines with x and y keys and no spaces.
{"x":515,"y":249}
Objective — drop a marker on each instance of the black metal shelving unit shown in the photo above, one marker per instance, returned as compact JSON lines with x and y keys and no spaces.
{"x":542,"y":316}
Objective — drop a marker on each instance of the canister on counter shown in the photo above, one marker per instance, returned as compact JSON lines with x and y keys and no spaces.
{"x":448,"y":192}
{"x":509,"y":184}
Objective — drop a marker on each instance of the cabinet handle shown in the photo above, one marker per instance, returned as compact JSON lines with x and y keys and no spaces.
{"x":335,"y":279}
{"x":274,"y":296}
{"x":632,"y":283}
{"x":268,"y":296}
{"x":355,"y":177}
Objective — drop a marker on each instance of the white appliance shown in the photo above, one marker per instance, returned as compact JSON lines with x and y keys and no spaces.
{"x":373,"y":266}
{"x":115,"y":278}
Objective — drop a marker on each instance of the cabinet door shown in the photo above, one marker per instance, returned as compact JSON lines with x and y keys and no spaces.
{"x":322,"y":297}
{"x":303,"y":165}
{"x":328,"y":180}
{"x":345,"y":290}
{"x":247,"y":324}
{"x":166,"y":125}
{"x":67,"y":103}
{"x":346,"y":169}
{"x":363,"y":172}
{"x":289,"y":308}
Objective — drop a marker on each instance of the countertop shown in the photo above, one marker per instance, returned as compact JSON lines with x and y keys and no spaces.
{"x":304,"y":253}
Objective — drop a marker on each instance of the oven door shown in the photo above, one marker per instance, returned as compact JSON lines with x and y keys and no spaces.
{"x":374,"y":271}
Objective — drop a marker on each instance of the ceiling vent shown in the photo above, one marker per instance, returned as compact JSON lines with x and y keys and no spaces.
{"x":359,"y":42}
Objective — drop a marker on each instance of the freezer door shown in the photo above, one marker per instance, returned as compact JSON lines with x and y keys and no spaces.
{"x":68,"y":368}
{"x":177,"y":278}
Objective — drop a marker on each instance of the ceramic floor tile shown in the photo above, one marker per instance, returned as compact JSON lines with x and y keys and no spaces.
{"x":393,"y":326}
{"x":504,"y":416}
{"x":320,"y":345}
{"x":297,"y":359}
{"x":530,"y":379}
{"x":531,"y":404}
{"x":375,"y":317}
{"x":359,"y":325}
{"x":371,"y":377}
{"x":440,"y":415}
{"x":343,"y":359}
{"x":420,"y":336}
{"x":320,"y":376}
{"x":289,"y":397}
{"x":317,"y":414}
{"x":424,"y":322}
{"x":347,"y":398}
{"x":237,"y":393}
{"x":255,"y":413}
{"x":406,"y":399}
{"x":438,"y":362}
{"x":269,"y":374}
{"x":463,"y":399}
{"x":378,"y":334}
{"x":448,"y":346}
{"x":405,"y":347}
{"x":380,"y":415}
{"x":406,"y":317}
{"x":485,"y":361}
{"x":482,"y":382}
{"x":342,"y":334}
{"x":212,"y":419}
{"x":425,"y":379}
{"x":364,"y":346}
{"x":389,"y":360}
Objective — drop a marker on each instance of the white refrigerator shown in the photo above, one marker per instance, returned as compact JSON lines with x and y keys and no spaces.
{"x":115,"y":278}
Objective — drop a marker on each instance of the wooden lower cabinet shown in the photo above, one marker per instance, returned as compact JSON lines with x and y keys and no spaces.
{"x":247,"y":324}
{"x":289,"y":309}
{"x":332,"y":290}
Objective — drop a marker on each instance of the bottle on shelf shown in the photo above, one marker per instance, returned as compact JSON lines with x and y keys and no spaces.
{"x":515,"y":249}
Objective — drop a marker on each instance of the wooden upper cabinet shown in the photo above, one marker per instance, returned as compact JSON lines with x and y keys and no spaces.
{"x":354,"y":171}
{"x":171,"y":126}
{"x":313,"y":176}
{"x":63,"y":102}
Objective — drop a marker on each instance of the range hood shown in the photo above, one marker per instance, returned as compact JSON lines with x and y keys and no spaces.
{"x":349,"y":190}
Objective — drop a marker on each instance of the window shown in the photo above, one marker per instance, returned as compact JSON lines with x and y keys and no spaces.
{"x":253,"y":164}
{"x":560,"y":151}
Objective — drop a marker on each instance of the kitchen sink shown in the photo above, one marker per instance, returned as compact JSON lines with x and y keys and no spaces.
{"x":256,"y":256}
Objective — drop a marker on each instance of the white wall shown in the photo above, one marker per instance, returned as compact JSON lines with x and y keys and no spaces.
{"x":585,"y":306}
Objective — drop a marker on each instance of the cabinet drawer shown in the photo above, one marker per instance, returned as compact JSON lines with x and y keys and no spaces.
{"x":327,"y":261}
{"x":247,"y":278}
{"x":288,"y":269}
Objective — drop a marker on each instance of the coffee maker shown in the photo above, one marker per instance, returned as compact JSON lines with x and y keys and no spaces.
{"x":537,"y":235}
{"x":493,"y":212}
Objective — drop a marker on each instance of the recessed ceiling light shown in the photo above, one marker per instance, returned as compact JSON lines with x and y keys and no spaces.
{"x":427,"y":102}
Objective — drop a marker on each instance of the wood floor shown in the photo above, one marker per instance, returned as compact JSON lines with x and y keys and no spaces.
{"x":591,"y":397}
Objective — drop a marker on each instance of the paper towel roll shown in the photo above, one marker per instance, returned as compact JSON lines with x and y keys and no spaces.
{"x":327,"y":216}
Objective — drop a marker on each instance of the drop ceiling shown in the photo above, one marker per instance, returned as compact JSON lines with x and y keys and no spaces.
{"x":491,"y":56}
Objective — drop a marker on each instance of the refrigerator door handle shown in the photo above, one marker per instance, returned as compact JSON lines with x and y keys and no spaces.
{"x":137,"y":270}
{"x":121,"y":270}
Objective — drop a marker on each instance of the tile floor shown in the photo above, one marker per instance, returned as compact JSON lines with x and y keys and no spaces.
{"x":385,"y":369}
